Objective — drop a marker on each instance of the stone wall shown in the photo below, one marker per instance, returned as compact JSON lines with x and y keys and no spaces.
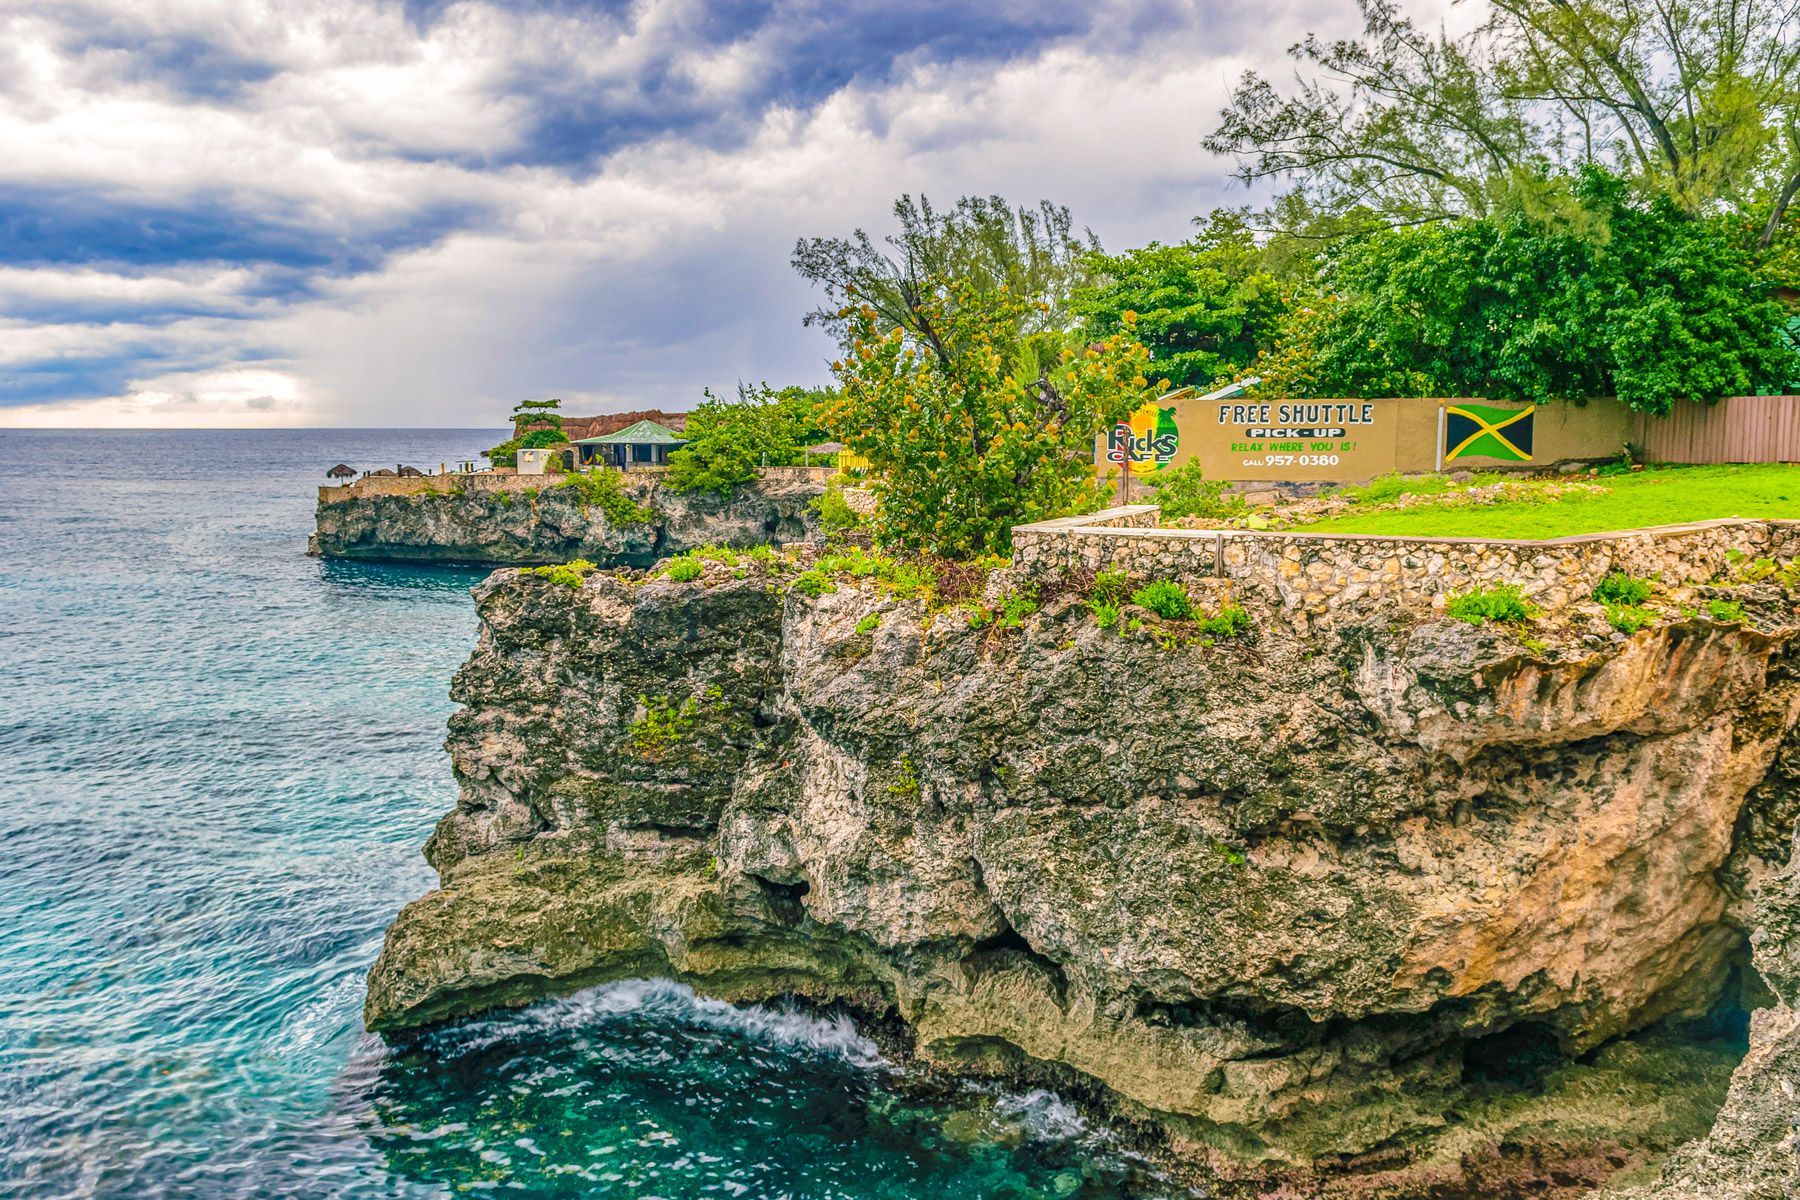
{"x":1311,"y":575}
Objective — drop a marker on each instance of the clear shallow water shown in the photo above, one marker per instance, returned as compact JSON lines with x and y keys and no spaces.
{"x":218,"y":760}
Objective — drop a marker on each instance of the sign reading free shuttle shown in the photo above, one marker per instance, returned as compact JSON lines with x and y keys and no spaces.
{"x":1350,"y":441}
{"x":1297,"y":440}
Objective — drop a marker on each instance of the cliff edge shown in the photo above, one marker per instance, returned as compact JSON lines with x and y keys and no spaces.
{"x":1392,"y":906}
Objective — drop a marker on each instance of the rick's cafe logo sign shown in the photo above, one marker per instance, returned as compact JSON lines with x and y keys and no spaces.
{"x":1145,"y":442}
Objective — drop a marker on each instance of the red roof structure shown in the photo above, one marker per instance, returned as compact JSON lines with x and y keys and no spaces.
{"x":587,"y":427}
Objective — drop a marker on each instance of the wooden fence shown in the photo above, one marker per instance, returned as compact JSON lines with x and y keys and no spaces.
{"x":1741,"y":429}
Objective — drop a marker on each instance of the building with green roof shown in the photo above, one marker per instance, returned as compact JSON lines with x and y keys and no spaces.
{"x":642,"y":444}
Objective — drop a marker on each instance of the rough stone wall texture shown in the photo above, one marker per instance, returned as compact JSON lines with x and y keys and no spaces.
{"x":527,"y":519}
{"x":1289,"y":901}
{"x":1314,"y":576}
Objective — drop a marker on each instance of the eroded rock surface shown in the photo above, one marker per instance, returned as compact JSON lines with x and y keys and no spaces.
{"x":523,"y":526}
{"x":1288,"y":900}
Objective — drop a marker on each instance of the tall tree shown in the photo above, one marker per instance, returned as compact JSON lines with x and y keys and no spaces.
{"x":1697,"y":99}
{"x":982,"y":241}
{"x":1638,"y":301}
{"x":1203,"y":307}
{"x":968,"y":446}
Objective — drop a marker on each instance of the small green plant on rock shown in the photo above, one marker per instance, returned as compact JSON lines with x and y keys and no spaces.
{"x":1165,"y":598}
{"x":1725,"y":610}
{"x":1105,"y":615}
{"x":569,"y":574}
{"x":1629,"y":618}
{"x":1110,"y":587}
{"x":664,"y":724}
{"x":814,"y":583}
{"x":835,"y":513}
{"x":868,"y":624}
{"x":1017,"y":606}
{"x":684,"y":569}
{"x":1619,"y":588}
{"x":1501,"y":604}
{"x":601,"y":487}
{"x":1232,"y":621}
{"x":906,"y":782}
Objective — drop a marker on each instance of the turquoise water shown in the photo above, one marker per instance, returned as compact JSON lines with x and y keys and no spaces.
{"x":219,"y":761}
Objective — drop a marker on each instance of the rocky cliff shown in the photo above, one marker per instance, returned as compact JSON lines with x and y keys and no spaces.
{"x":1401,"y":907}
{"x":513,"y":520}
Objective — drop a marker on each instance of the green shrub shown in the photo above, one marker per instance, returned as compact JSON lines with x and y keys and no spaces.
{"x":569,"y":574}
{"x":1231,"y":621}
{"x":869,"y":624}
{"x":683,"y":569}
{"x":1628,"y":618}
{"x":1622,"y":589}
{"x":1183,"y":492}
{"x":761,"y":553}
{"x":814,"y":583}
{"x":1166,"y":599}
{"x":1105,"y":615}
{"x":1017,"y":606}
{"x":601,"y":487}
{"x":1725,"y":610}
{"x":1110,"y":587}
{"x":1502,"y":604}
{"x":835,"y":513}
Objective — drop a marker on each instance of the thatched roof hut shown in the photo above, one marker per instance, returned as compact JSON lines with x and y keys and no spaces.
{"x":381,"y":471}
{"x":341,"y":471}
{"x":411,"y":472}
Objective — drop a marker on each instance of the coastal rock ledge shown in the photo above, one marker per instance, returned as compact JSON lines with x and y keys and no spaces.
{"x":1391,"y":908}
{"x":528,"y":520}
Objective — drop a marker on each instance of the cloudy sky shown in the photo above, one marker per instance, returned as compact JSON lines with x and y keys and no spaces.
{"x":375,"y":212}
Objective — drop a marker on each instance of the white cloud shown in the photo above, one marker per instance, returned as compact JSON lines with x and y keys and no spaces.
{"x":660,"y":270}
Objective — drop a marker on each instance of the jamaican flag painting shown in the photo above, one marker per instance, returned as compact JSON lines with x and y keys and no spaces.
{"x":1484,"y":431}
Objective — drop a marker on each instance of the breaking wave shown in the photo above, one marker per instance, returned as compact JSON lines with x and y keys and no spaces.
{"x":665,"y":1003}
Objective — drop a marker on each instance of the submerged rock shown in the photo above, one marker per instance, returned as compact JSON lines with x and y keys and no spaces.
{"x":1376,"y":903}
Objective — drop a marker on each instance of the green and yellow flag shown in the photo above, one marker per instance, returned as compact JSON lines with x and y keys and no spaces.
{"x":1483,"y":431}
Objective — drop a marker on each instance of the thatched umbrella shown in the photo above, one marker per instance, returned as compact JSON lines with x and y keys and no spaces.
{"x":411,"y":471}
{"x":822,"y":448}
{"x":341,"y":471}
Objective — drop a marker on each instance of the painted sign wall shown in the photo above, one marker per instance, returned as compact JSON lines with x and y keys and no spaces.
{"x":1349,"y":441}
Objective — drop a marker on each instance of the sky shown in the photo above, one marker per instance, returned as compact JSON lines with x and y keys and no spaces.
{"x":418,"y":212}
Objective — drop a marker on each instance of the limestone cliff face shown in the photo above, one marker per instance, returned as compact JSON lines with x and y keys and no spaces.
{"x":1285,"y":899}
{"x":506,"y":521}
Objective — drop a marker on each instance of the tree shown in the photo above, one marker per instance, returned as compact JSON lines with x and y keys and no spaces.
{"x":1639,"y":301}
{"x":729,"y":439}
{"x":1698,"y":99}
{"x":530,"y":412}
{"x":967,"y":445}
{"x":1204,"y":307}
{"x":982,"y":240}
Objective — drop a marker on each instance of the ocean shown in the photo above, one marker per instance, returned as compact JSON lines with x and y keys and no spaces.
{"x":218,"y":761}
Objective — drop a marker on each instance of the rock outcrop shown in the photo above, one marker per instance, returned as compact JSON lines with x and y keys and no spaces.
{"x":522,"y":521}
{"x":1383,"y":903}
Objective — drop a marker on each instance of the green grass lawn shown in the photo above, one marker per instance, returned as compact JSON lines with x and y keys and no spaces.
{"x":1654,"y":496}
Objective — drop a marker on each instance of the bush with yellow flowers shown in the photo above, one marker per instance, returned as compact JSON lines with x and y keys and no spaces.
{"x":973,"y":427}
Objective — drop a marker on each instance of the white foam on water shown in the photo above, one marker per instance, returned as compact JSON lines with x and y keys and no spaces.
{"x":669,"y":1003}
{"x":1042,"y":1114}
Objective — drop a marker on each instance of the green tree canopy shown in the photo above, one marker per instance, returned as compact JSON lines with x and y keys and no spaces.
{"x":1634,"y":300}
{"x":1695,"y":99}
{"x":729,"y":439}
{"x":1203,"y":307}
{"x":968,"y":445}
{"x":982,"y":240}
